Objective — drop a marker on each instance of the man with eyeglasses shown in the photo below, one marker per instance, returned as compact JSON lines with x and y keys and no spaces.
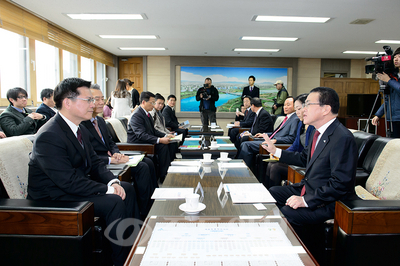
{"x":330,"y":161}
{"x":18,"y":120}
{"x":141,"y":130}
{"x":64,"y":167}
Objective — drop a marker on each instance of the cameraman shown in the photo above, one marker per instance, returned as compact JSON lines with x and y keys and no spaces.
{"x":393,"y":83}
{"x":207,"y":96}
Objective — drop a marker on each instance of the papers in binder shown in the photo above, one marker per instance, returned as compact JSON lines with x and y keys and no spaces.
{"x":171,"y":193}
{"x":134,"y":160}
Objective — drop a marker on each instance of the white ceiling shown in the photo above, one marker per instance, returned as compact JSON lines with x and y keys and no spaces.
{"x":214,"y":27}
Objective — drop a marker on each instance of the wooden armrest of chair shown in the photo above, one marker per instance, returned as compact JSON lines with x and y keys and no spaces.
{"x":243,"y":129}
{"x":295,"y":173}
{"x":148,"y":148}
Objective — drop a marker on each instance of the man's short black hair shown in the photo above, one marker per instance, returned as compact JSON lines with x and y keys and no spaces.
{"x":171,"y":96}
{"x":254,"y":78}
{"x":256,"y":102}
{"x":248,"y":97}
{"x":242,"y":105}
{"x":14,"y":93}
{"x":159,"y":97}
{"x":68,"y":88}
{"x":146,"y":95}
{"x":328,"y":96}
{"x":209,"y":79}
{"x":302,"y":98}
{"x":46,"y":93}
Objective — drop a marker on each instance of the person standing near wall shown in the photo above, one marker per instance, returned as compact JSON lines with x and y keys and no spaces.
{"x":207,"y":95}
{"x":120,"y":100}
{"x":281,"y":96}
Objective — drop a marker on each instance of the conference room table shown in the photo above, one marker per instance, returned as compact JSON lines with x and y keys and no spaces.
{"x":219,"y":208}
{"x":205,"y":130}
{"x":195,"y":146}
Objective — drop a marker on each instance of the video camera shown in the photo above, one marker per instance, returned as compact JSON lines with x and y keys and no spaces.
{"x":383,"y":63}
{"x":204,"y":91}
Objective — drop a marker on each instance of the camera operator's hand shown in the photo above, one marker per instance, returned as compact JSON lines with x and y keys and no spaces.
{"x":383,"y":76}
{"x":375,"y":121}
{"x":274,"y":106}
{"x":201,"y":95}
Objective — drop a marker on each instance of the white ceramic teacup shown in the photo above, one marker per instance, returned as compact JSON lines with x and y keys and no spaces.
{"x":192,"y":201}
{"x":214,"y":144}
{"x":223,"y":155}
{"x":207,"y":156}
{"x":213,"y":124}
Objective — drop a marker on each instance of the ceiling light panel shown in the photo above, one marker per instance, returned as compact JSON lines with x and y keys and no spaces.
{"x":106,"y":16}
{"x":292,"y":19}
{"x":359,"y":52}
{"x":282,"y":39}
{"x":143,"y":48}
{"x":138,"y":37}
{"x":388,"y":41}
{"x":255,"y":50}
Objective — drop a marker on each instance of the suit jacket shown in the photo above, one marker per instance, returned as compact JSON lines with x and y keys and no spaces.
{"x":15,"y":123}
{"x":159,"y":123}
{"x":45,"y":110}
{"x":170,"y":118}
{"x":263,"y":123}
{"x":59,"y":166}
{"x":248,"y":119}
{"x":254,"y":93}
{"x":287,"y":134}
{"x":297,"y":146}
{"x":141,"y":128}
{"x":101,"y":147}
{"x":330,"y":173}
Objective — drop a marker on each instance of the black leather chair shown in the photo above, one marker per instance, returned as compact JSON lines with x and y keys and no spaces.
{"x":124,"y":121}
{"x":364,"y":141}
{"x":370,"y":160}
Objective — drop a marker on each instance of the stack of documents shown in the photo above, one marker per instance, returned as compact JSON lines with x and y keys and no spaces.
{"x":231,"y":165}
{"x":183,"y":169}
{"x":186,"y":163}
{"x":134,"y":160}
{"x":177,"y":138}
{"x":249,"y":193}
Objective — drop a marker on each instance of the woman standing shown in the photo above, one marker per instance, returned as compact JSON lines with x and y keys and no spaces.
{"x":120,"y":100}
{"x":133,"y":91}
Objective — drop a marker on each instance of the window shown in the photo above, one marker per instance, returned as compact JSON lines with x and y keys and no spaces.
{"x":14,"y":62}
{"x":87,"y":69}
{"x":70,"y":65}
{"x":47,"y":67}
{"x":101,"y":76}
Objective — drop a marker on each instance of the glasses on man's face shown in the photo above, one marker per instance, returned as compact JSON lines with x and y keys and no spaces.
{"x":22,"y":97}
{"x":88,"y":100}
{"x":98,"y":99}
{"x":153,"y":103}
{"x":307,"y":104}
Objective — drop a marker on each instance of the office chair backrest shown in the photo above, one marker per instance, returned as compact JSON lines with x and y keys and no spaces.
{"x":364,"y":142}
{"x":14,"y":159}
{"x":119,"y":129}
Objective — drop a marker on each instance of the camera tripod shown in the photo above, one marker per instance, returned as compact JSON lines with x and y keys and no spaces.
{"x":383,"y":91}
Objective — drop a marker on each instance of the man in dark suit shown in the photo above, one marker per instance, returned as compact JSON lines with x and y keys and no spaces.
{"x":63,"y":166}
{"x":141,"y":130}
{"x":285,"y":133}
{"x":46,"y":108}
{"x":330,"y":161}
{"x":262,"y":123}
{"x":251,"y":90}
{"x":247,"y":121}
{"x":144,"y":174}
{"x":18,"y":120}
{"x":170,"y":117}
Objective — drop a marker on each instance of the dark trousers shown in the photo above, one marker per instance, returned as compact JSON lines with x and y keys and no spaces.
{"x":183,"y":131}
{"x":233,"y":133}
{"x":207,"y":117}
{"x":396,"y":129}
{"x":145,"y":182}
{"x":114,"y":210}
{"x":276,"y":172}
{"x":164,"y":153}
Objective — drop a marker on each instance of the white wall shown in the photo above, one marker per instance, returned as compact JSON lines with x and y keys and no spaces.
{"x":158,"y":75}
{"x":308,"y":75}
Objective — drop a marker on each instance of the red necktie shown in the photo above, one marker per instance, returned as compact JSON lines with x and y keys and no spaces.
{"x":314,"y":142}
{"x":283,"y":122}
{"x":79,"y":136}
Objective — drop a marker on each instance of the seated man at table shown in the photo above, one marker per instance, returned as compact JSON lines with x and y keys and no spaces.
{"x":247,"y":121}
{"x":170,"y":118}
{"x":262,"y":123}
{"x":18,"y":120}
{"x":159,"y":122}
{"x":330,"y":161}
{"x":144,"y":174}
{"x":141,"y":130}
{"x":47,"y":106}
{"x":285,"y":133}
{"x":64,"y":167}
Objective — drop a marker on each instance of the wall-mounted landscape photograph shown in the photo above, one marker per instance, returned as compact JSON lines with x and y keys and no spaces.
{"x":229,"y":82}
